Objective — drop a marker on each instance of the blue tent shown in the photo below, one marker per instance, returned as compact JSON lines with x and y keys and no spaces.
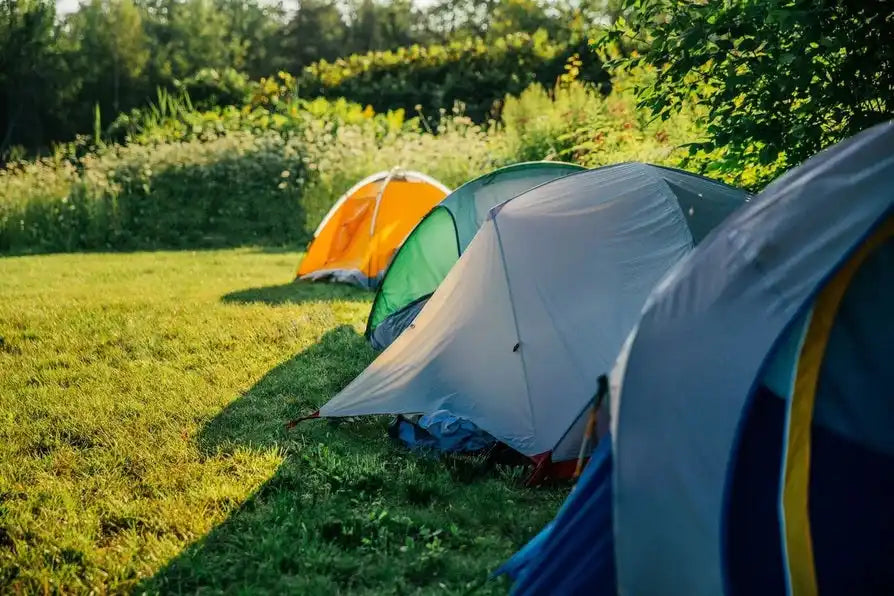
{"x":752,"y":412}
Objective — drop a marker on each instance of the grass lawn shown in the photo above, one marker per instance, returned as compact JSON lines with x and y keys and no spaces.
{"x":142,"y":446}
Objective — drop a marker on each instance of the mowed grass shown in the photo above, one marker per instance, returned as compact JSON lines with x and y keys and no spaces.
{"x":143,"y":399}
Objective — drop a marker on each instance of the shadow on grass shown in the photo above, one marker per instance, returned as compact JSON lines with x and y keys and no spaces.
{"x":259,"y":547}
{"x":280,"y":249}
{"x":297,"y":292}
{"x":348,"y":510}
{"x":252,"y":247}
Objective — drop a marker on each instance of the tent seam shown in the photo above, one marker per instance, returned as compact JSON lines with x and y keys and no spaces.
{"x":515,"y":323}
{"x":379,"y":197}
{"x":372,"y":178}
{"x":671,"y":197}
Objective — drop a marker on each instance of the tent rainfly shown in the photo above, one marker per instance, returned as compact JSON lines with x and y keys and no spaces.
{"x":358,"y":237}
{"x":434,"y":245}
{"x":751,"y":448}
{"x":540,"y":303}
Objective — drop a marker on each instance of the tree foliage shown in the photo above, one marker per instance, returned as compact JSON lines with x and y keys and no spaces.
{"x":112,"y":51}
{"x":33,"y":77}
{"x":64,"y":75}
{"x":778,"y":80}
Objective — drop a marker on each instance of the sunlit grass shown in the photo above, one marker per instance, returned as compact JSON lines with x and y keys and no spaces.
{"x":142,"y":446}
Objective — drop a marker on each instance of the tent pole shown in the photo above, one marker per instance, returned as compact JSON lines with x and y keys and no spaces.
{"x":601,"y":392}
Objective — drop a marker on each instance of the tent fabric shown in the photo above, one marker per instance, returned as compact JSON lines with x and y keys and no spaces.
{"x":441,"y":431}
{"x":679,"y":410}
{"x":436,"y":243}
{"x":857,"y":357}
{"x":358,"y":237}
{"x":731,"y":474}
{"x":751,"y":538}
{"x":471,"y":203}
{"x":575,"y":553}
{"x":537,"y":307}
{"x":817,"y":459}
{"x":385,"y":334}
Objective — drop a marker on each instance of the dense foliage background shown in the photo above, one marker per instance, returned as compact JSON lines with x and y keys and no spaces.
{"x":171,"y":123}
{"x":476,"y":72}
{"x":63,"y":74}
{"x":266,"y":172}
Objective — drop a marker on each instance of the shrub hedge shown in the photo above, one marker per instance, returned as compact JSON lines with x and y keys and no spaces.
{"x":233,"y":190}
{"x":473,"y":72}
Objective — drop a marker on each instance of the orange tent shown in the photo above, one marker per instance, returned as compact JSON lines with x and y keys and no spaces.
{"x":358,"y":237}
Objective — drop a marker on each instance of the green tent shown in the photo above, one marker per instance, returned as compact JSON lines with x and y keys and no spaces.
{"x":436,"y":243}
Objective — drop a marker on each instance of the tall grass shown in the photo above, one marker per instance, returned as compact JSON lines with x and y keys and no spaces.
{"x":237,"y":189}
{"x":577,"y":123}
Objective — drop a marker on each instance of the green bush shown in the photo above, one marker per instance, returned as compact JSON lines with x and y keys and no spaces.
{"x":776,"y":80}
{"x":474,"y":72}
{"x":209,"y":88}
{"x":537,"y":122}
{"x":234,"y":190}
{"x":576,"y":123}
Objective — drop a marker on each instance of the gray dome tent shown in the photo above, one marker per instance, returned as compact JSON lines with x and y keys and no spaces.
{"x":540,"y":304}
{"x":436,"y":243}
